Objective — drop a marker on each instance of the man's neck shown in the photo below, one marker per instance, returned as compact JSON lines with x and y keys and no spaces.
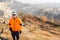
{"x":14,"y":18}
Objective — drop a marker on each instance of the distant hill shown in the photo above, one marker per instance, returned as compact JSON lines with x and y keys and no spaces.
{"x":1,"y":13}
{"x":53,"y":5}
{"x":36,"y":9}
{"x":4,"y":0}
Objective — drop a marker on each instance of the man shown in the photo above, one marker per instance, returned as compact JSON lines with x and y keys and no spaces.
{"x":15,"y":26}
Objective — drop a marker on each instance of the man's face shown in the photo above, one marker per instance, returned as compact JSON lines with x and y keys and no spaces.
{"x":14,"y":15}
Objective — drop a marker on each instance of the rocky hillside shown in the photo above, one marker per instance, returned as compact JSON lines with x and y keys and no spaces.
{"x":37,"y":28}
{"x":34,"y":28}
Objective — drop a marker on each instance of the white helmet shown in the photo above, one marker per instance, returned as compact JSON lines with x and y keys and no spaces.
{"x":14,"y":12}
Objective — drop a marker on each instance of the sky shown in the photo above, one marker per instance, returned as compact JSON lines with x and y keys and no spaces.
{"x":39,"y":1}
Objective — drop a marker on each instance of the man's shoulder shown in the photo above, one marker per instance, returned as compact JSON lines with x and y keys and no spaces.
{"x":10,"y":18}
{"x":18,"y":18}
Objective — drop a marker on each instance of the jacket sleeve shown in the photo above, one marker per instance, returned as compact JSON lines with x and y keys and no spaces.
{"x":20,"y":22}
{"x":9,"y":23}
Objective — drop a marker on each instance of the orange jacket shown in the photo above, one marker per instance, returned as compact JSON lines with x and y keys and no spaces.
{"x":14,"y":24}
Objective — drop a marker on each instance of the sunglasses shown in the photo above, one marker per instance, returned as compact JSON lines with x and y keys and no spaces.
{"x":13,"y":14}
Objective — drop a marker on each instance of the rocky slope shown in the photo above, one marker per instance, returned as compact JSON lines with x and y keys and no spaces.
{"x":35,"y":28}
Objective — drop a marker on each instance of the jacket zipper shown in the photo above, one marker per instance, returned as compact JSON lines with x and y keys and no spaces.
{"x":14,"y":24}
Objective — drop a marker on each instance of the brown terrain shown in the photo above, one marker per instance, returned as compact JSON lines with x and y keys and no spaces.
{"x":34,"y":28}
